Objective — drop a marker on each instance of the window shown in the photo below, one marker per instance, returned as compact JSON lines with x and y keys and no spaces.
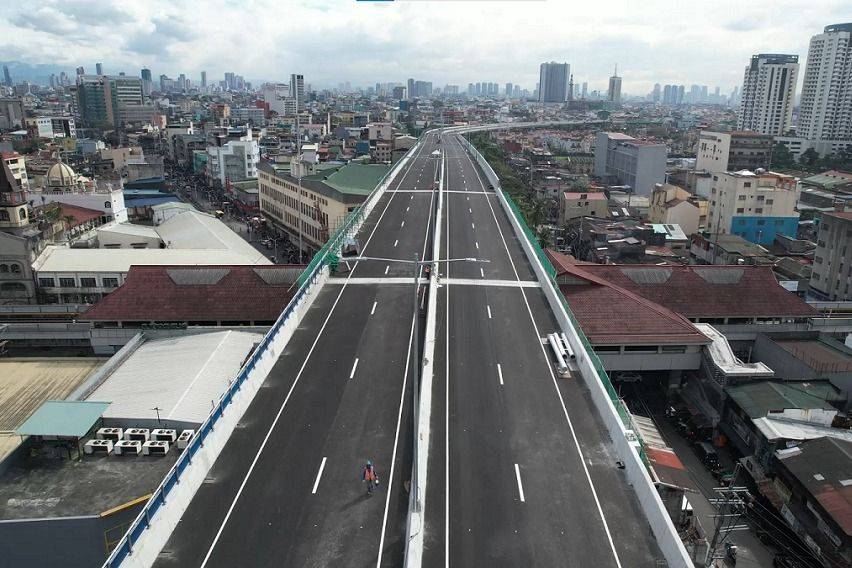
{"x":67,"y":282}
{"x":4,"y":268}
{"x":88,"y":282}
{"x":15,"y":268}
{"x":761,"y":222}
{"x":761,"y":197}
{"x":770,"y":201}
{"x":740,"y":210}
{"x":742,"y":197}
{"x":107,"y":205}
{"x":759,"y":210}
{"x":13,"y":287}
{"x":747,"y":184}
{"x":46,"y":282}
{"x":110,"y":282}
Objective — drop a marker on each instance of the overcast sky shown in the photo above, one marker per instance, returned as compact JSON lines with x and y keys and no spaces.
{"x":457,"y":42}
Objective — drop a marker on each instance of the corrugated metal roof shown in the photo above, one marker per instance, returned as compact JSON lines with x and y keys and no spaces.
{"x":63,"y":418}
{"x":182,"y":376}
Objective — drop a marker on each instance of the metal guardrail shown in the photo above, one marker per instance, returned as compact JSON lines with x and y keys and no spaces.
{"x":328,"y":253}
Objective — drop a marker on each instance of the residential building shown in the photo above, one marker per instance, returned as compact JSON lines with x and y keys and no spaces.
{"x":253,"y":115}
{"x":831,"y":278}
{"x":297,"y":90}
{"x":673,"y":205}
{"x":733,"y":151}
{"x":582,"y":204}
{"x":614,"y":92}
{"x":768,"y":93}
{"x":755,"y":206}
{"x":235,"y":160}
{"x":639,"y":164}
{"x":728,"y":250}
{"x":18,"y":166}
{"x":825,"y":113}
{"x":812,"y":489}
{"x":327,"y":196}
{"x":553,"y":82}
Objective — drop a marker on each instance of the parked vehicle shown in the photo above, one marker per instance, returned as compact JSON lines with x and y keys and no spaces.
{"x":708,"y":456}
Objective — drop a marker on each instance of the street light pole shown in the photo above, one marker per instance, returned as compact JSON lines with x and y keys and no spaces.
{"x":415,"y":386}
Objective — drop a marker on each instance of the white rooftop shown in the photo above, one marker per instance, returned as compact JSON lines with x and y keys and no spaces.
{"x":182,"y":376}
{"x":724,"y":358}
{"x":191,"y":238}
{"x":780,"y":428}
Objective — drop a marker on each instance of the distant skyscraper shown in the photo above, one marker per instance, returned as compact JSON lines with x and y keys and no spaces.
{"x":655,"y":95}
{"x":410,"y":90}
{"x":585,"y":90}
{"x":297,"y":90}
{"x":508,"y":90}
{"x":204,"y":79}
{"x":553,"y":82}
{"x":614,"y":92}
{"x":80,"y":71}
{"x":825,"y":111}
{"x":230,"y":81}
{"x":147,"y":82}
{"x":769,"y":84}
{"x":7,"y":77}
{"x":99,"y":68}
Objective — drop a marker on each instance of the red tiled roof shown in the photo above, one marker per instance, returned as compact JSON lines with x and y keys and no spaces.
{"x":611,"y":315}
{"x":198,"y":293}
{"x":704,"y":291}
{"x":81,"y":214}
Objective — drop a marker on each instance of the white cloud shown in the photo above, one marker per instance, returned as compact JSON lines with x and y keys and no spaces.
{"x":445,"y":42}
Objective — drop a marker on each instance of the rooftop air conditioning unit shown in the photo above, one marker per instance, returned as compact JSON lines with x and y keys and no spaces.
{"x":98,"y":446}
{"x":129,"y":447}
{"x":184,"y":438}
{"x":114,"y":434}
{"x":139,"y":434}
{"x":155,"y":448}
{"x":164,"y":434}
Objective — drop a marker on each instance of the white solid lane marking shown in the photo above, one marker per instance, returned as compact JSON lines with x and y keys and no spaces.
{"x":354,"y":366}
{"x":374,"y":307}
{"x":481,"y":272}
{"x":387,"y":268}
{"x":500,"y":373}
{"x":319,"y":476}
{"x":489,"y":312}
{"x":520,"y":485}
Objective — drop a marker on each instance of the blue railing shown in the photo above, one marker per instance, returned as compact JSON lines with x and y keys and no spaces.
{"x":306,"y":281}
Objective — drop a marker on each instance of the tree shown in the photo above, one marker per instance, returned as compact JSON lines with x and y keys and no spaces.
{"x":782,"y":158}
{"x":809,"y":158}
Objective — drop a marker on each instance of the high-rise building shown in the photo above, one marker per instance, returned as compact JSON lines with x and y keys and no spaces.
{"x":81,"y":71}
{"x":7,"y":77}
{"x":297,"y":90}
{"x":769,"y":86}
{"x":147,"y":82}
{"x":508,"y":90}
{"x":829,"y":273}
{"x":553,"y":82}
{"x":99,"y":68}
{"x":230,"y":81}
{"x":614,"y":92}
{"x":825,"y":111}
{"x":733,"y":151}
{"x":656,"y":93}
{"x":204,"y":79}
{"x":584,"y":92}
{"x":106,"y":100}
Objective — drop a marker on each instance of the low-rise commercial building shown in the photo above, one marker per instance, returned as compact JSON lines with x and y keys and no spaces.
{"x":582,"y":204}
{"x":327,"y":196}
{"x":673,"y":205}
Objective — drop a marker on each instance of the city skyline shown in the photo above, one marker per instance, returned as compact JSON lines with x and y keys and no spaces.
{"x":394,"y":41}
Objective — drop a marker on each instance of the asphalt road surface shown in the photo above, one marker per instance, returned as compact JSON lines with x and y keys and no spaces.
{"x":286,"y":490}
{"x":521,"y":472}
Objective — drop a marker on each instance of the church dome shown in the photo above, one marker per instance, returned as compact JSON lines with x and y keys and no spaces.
{"x":61,"y":175}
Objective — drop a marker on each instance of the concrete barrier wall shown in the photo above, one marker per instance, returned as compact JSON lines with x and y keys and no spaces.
{"x":623,"y":439}
{"x":151,"y":530}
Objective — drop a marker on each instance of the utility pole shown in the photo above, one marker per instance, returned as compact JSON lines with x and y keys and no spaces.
{"x":731,"y":504}
{"x":299,"y":177}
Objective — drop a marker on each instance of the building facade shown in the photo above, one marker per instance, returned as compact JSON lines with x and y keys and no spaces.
{"x":733,"y":151}
{"x":769,"y":88}
{"x":825,"y":112}
{"x":830,"y":273}
{"x":637,"y":163}
{"x":672,"y":205}
{"x":553,"y":82}
{"x":753,"y":206}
